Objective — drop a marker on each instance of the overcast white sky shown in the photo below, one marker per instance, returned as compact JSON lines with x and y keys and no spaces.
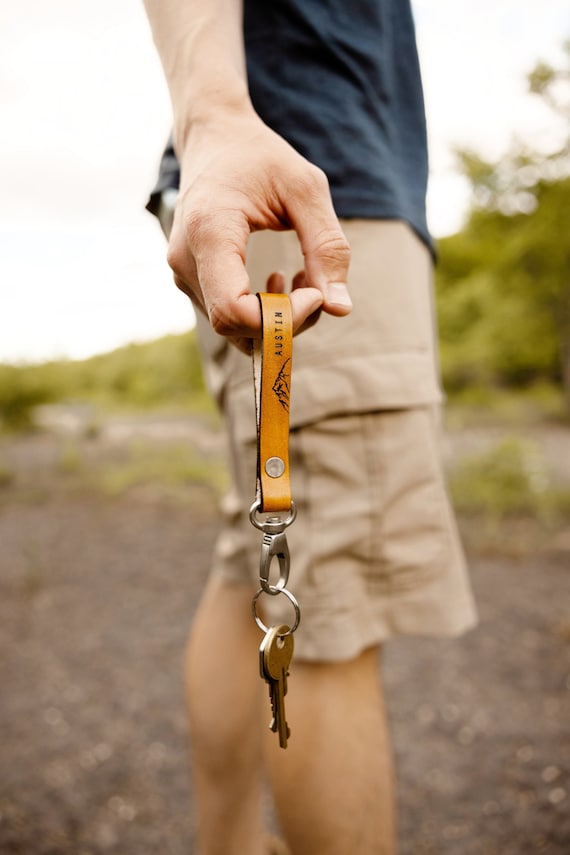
{"x":85,"y":113}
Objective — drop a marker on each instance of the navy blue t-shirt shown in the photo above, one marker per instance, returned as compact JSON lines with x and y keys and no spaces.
{"x":340,"y":81}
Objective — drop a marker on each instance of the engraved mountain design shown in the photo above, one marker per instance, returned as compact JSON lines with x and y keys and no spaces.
{"x":281,"y":386}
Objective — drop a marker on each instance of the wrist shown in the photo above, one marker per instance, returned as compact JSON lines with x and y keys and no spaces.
{"x":214,"y":104}
{"x":213,"y":119}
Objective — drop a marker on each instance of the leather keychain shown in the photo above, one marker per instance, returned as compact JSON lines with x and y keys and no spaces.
{"x":272,"y":362}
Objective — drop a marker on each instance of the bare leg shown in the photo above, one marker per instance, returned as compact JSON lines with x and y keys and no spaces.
{"x":333,"y":786}
{"x":226,"y":701}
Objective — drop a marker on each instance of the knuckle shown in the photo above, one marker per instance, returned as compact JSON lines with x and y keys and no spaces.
{"x":175,"y":260}
{"x":319,"y":178}
{"x":182,"y":268}
{"x":311,"y":182}
{"x":200,"y":226}
{"x":331,"y":243}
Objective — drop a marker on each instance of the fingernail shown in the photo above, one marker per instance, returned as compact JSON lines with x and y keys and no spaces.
{"x":337,"y":293}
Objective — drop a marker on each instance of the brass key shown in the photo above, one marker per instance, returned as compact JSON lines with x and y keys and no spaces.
{"x":275,"y":656}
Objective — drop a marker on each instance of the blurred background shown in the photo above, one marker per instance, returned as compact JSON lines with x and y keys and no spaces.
{"x":111,"y":463}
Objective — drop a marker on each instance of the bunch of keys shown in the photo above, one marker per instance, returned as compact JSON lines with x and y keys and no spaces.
{"x":275,"y":656}
{"x":276,"y":650}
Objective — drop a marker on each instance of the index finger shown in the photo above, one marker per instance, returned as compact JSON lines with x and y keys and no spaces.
{"x":325,"y":248}
{"x":226,"y":288}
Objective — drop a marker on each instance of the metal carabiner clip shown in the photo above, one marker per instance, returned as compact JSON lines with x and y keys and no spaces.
{"x":274,"y":544}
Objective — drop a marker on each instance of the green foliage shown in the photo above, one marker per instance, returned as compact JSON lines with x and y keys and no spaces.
{"x":166,"y":371}
{"x":20,"y":392}
{"x":7,"y":476}
{"x":503,"y":294}
{"x":484,"y":405}
{"x":162,"y":373}
{"x":497,"y":481}
{"x":510,"y":479}
{"x":503,"y":282}
{"x":551,"y":84}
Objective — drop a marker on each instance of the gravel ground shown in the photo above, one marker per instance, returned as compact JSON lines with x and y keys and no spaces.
{"x":96,"y":596}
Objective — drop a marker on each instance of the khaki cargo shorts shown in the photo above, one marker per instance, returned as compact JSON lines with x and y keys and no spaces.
{"x":374,"y":548}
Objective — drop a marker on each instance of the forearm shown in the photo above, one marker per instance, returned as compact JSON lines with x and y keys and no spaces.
{"x":237,"y":176}
{"x":200,"y":44}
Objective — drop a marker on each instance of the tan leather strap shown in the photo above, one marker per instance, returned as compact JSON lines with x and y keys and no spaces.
{"x":272,"y":360}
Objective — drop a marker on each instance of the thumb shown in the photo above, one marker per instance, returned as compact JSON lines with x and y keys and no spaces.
{"x":324,"y":246}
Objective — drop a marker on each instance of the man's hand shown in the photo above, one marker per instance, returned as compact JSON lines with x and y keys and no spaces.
{"x":238,"y":176}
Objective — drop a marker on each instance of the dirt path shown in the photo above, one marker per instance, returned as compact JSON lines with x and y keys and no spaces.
{"x":96,"y":596}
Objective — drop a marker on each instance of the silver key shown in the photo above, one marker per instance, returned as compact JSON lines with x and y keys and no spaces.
{"x":275,"y":656}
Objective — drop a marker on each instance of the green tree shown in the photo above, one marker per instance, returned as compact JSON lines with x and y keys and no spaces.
{"x":504,"y":280}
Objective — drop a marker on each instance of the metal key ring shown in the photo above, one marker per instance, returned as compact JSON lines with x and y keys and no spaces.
{"x":291,"y":599}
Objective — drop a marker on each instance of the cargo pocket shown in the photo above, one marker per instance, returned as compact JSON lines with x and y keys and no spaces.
{"x":410,"y":530}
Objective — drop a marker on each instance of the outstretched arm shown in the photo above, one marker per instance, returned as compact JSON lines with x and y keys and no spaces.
{"x":237,"y":176}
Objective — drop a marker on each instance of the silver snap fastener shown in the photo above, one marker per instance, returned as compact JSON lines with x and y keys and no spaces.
{"x":274,"y":467}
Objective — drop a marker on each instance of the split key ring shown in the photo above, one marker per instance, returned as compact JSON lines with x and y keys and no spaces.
{"x":291,"y":599}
